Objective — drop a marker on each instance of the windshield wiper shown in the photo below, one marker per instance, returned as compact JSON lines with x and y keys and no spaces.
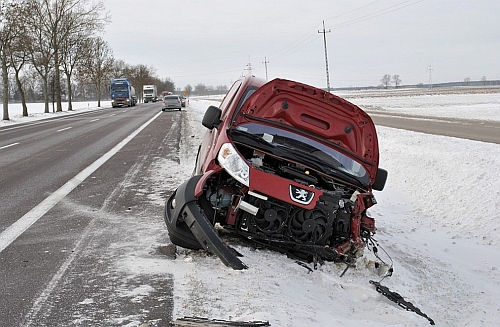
{"x":244,"y":137}
{"x":331,"y":168}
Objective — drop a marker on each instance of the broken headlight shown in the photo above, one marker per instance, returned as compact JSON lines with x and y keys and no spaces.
{"x":234,"y":164}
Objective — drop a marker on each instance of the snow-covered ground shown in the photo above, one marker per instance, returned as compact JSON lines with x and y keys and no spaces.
{"x":465,"y":103}
{"x":438,"y":218}
{"x":36,"y":111}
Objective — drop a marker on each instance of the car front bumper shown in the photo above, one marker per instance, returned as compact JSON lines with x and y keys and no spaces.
{"x":181,"y":210}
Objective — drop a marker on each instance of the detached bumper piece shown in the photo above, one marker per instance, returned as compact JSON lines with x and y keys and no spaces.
{"x":399,"y":300}
{"x":201,"y":322}
{"x":182,"y":208}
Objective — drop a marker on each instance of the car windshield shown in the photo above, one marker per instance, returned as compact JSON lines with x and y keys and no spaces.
{"x":148,"y":91}
{"x":302,"y":145}
{"x":119,"y":88}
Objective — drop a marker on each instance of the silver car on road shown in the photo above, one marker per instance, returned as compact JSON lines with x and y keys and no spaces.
{"x":171,"y":102}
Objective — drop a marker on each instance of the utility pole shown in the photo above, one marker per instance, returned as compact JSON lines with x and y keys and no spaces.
{"x":326,"y":55}
{"x":265,"y":62}
{"x":249,"y":66}
{"x":429,"y":68}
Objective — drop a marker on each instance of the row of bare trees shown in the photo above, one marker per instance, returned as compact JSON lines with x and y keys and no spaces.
{"x":56,"y":44}
{"x":388,"y":79}
{"x":53,"y":38}
{"x":202,"y":89}
{"x":52,"y":49}
{"x":141,"y":75}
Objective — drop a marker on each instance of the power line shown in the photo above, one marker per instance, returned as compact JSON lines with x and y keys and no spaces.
{"x":348,"y":12}
{"x":307,"y":39}
{"x":377,"y":13}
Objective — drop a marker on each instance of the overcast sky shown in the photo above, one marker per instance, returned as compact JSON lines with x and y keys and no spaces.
{"x":215,"y":41}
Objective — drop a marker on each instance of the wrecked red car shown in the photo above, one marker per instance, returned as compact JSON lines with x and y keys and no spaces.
{"x":285,"y":165}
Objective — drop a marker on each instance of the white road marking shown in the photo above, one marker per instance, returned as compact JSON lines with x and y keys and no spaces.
{"x":39,"y":302}
{"x":8,"y":146}
{"x":15,"y":230}
{"x":93,"y":120}
{"x":64,"y":129}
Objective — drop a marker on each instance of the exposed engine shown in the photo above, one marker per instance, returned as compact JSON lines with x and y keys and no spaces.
{"x":274,"y":222}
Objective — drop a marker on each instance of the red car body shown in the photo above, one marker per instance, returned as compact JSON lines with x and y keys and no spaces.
{"x":285,"y":165}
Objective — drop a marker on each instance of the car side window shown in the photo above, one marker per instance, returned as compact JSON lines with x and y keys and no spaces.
{"x":249,"y":91}
{"x":229,"y":97}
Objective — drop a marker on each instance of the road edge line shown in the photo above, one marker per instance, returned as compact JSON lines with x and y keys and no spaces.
{"x":11,"y":233}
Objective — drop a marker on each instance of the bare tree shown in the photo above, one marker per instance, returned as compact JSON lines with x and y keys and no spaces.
{"x":59,"y":19}
{"x":31,"y":82}
{"x":484,"y":80}
{"x":396,"y":80}
{"x":222,"y":89}
{"x":139,"y":76}
{"x":18,"y":53}
{"x":167,"y":85}
{"x":18,"y":58}
{"x":71,"y":56}
{"x":386,"y":80}
{"x":40,"y":50}
{"x":467,"y":81}
{"x":7,"y":34}
{"x":121,"y":69}
{"x":200,"y":89}
{"x":97,"y":65}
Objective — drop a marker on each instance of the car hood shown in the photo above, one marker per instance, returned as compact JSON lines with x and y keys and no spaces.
{"x":315,"y":113}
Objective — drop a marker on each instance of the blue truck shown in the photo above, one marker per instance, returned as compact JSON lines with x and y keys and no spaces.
{"x":122,"y":93}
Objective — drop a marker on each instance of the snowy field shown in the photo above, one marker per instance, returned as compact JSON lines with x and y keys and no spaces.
{"x":438,"y":219}
{"x":466,"y":103}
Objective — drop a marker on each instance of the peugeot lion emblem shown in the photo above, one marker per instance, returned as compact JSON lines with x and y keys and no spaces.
{"x":300,"y":195}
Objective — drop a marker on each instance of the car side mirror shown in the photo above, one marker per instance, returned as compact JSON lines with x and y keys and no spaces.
{"x":211,"y":118}
{"x":380,"y":179}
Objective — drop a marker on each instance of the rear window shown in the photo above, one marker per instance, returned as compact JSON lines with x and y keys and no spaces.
{"x":171,"y":97}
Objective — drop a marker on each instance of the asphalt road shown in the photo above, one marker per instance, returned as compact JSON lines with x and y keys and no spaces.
{"x":57,"y":271}
{"x":478,"y":130}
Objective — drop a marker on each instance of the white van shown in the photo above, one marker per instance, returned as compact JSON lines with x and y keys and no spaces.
{"x":149,"y":93}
